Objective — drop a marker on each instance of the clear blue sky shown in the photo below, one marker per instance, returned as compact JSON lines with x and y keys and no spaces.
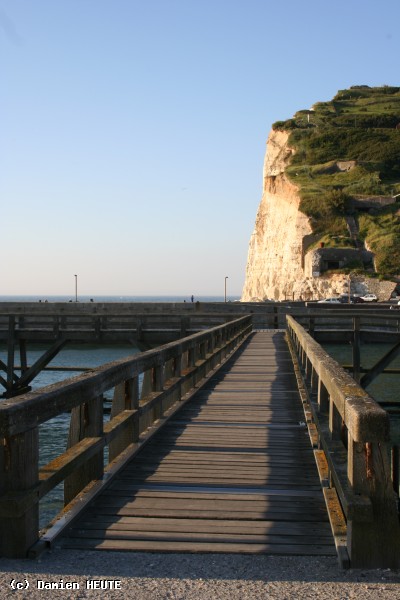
{"x":133,"y":131}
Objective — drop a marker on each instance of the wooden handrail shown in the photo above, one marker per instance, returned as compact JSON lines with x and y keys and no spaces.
{"x":353,"y":432}
{"x":168,"y":375}
{"x":144,"y":330}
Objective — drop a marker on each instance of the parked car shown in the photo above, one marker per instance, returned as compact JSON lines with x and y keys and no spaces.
{"x":330,"y":301}
{"x":369,"y":298}
{"x":356,"y":300}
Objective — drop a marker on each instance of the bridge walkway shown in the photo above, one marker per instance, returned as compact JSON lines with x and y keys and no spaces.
{"x":232,"y":471}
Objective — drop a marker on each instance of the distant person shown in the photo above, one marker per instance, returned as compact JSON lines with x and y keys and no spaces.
{"x":192,"y":298}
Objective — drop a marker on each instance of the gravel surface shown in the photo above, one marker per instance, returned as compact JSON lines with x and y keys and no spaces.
{"x":146,"y":576}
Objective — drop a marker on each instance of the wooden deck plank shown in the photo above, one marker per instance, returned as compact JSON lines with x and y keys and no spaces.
{"x":233,"y":471}
{"x":209,"y":537}
{"x":136,"y":545}
{"x":112,"y":522}
{"x":245,"y":494}
{"x":209,"y":513}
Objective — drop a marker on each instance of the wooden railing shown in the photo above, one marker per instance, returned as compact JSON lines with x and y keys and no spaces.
{"x":369,"y":317}
{"x":357,"y":326}
{"x":350,"y":433}
{"x":107,"y":327}
{"x":168,"y":375}
{"x":265,"y":314}
{"x":58,"y":329}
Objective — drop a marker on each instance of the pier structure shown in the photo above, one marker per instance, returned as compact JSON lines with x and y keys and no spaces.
{"x":235,"y":438}
{"x":147,"y":325}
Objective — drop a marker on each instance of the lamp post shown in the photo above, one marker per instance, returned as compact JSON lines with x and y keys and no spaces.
{"x":76,"y":288}
{"x":225,"y":287}
{"x":349,"y":288}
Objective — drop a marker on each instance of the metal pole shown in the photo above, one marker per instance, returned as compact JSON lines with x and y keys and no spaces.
{"x":76,"y":288}
{"x":225,"y":287}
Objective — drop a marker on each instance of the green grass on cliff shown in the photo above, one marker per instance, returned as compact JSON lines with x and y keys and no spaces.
{"x":361,"y":124}
{"x":382,"y":233}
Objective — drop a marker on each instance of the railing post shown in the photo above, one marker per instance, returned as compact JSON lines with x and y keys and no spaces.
{"x":376,"y":542}
{"x":19,"y":524}
{"x":139,"y":329}
{"x":201,"y":371}
{"x":11,"y":352}
{"x":177,"y":366}
{"x":192,"y":356}
{"x":213,"y":349}
{"x":323,"y":398}
{"x":396,"y":469}
{"x":169,"y":369}
{"x":307,"y":369}
{"x":335,"y":421}
{"x":158,"y":378}
{"x":23,"y":356}
{"x":158,"y":384}
{"x":185,"y":324}
{"x":126,"y":397}
{"x":86,"y":421}
{"x":314,"y":380}
{"x":311,"y":326}
{"x":186,"y":365}
{"x":210,"y":349}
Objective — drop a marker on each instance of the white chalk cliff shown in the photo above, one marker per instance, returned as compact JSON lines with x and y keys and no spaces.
{"x":275,"y":263}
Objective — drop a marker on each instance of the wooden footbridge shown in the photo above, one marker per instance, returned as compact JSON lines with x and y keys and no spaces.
{"x":228,"y":440}
{"x":233,"y":471}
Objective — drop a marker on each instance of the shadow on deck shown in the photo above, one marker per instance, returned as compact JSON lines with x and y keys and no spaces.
{"x":232,"y":471}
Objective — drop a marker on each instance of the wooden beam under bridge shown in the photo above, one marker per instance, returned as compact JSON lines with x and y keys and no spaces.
{"x":15,"y":385}
{"x":380,"y":366}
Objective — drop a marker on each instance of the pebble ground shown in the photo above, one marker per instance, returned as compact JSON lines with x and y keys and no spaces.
{"x":146,"y":576}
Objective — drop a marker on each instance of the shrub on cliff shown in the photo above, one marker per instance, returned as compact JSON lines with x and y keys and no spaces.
{"x":359,"y":125}
{"x":284,"y":125}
